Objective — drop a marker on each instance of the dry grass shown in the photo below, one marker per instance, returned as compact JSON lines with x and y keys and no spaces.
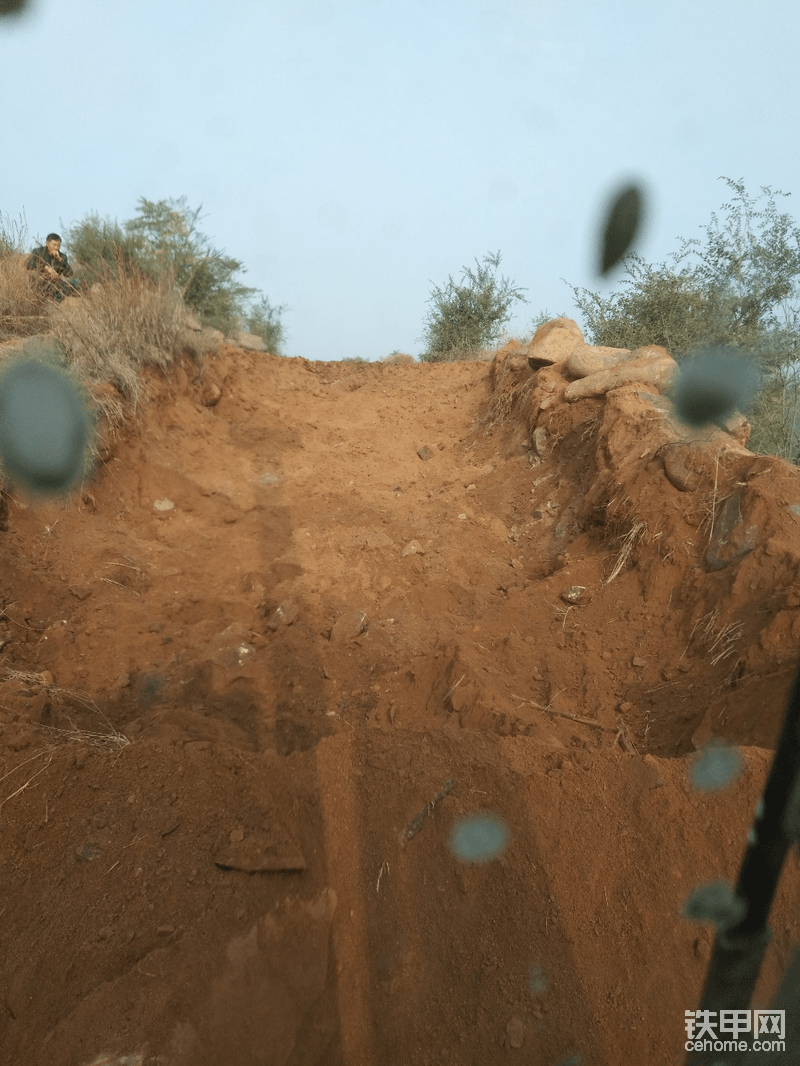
{"x":120,"y":325}
{"x":25,"y":784}
{"x":630,"y":542}
{"x":23,"y":308}
{"x":111,"y":740}
{"x":107,"y":738}
{"x":399,"y":358}
{"x":716,"y":642}
{"x":504,"y":400}
{"x":114,"y":328}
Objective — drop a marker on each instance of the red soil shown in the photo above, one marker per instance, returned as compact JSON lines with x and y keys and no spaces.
{"x":234,"y":885}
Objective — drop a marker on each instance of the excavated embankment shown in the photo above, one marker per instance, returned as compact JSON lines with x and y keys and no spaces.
{"x":301,"y":600}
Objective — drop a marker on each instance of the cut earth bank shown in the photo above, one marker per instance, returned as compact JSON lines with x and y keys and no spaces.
{"x":299,"y":601}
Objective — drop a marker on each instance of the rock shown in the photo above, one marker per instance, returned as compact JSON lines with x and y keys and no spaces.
{"x":732,"y":536}
{"x":515,"y":1032}
{"x":211,"y":394}
{"x":250,"y":342}
{"x":738,"y":427}
{"x":232,"y":647}
{"x":686,"y":465}
{"x":348,"y":627}
{"x":651,"y":365}
{"x":540,"y":441}
{"x":268,"y":478}
{"x":283,"y":615}
{"x":412,"y":548}
{"x":163,"y":505}
{"x":87,"y":852}
{"x":590,"y":360}
{"x":511,"y":347}
{"x":425,"y":453}
{"x":553,"y":343}
{"x":577,"y":595}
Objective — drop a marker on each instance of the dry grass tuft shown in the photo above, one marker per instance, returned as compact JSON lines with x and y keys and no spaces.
{"x":505,"y":400}
{"x":109,"y":738}
{"x":399,"y":358}
{"x":23,"y":308}
{"x":120,"y":325}
{"x":630,"y":542}
{"x":716,"y":642}
{"x":25,"y":784}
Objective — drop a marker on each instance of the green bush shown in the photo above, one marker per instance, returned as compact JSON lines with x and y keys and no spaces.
{"x":738,"y":288}
{"x":466,"y":319}
{"x":264,"y":320}
{"x":205,"y":276}
{"x":100,"y":247}
{"x":163,"y":241}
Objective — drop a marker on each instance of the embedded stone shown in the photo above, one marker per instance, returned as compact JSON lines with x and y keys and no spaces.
{"x":732,"y":537}
{"x":654,"y":366}
{"x":249,"y":342}
{"x":553,"y":343}
{"x":348,"y":627}
{"x":589,"y":359}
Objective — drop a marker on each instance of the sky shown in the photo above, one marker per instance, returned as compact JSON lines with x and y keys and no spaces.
{"x":355,"y":154}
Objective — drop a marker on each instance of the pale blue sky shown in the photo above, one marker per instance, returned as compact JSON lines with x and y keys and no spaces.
{"x":353,"y":153}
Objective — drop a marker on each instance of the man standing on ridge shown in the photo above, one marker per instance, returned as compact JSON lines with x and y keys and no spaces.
{"x":53,"y":269}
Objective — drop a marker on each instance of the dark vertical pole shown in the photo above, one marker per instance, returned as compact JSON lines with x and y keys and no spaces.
{"x":739,"y":949}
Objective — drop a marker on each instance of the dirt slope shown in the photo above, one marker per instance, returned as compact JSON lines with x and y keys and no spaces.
{"x":237,"y":666}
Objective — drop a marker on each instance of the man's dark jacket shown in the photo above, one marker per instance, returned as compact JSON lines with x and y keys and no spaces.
{"x":40,"y":258}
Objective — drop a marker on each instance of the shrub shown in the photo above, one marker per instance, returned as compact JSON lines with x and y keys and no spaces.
{"x":264,"y":320}
{"x":100,"y":248}
{"x":204,"y":274}
{"x":737,"y":288}
{"x":465,"y":319}
{"x":163,"y":240}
